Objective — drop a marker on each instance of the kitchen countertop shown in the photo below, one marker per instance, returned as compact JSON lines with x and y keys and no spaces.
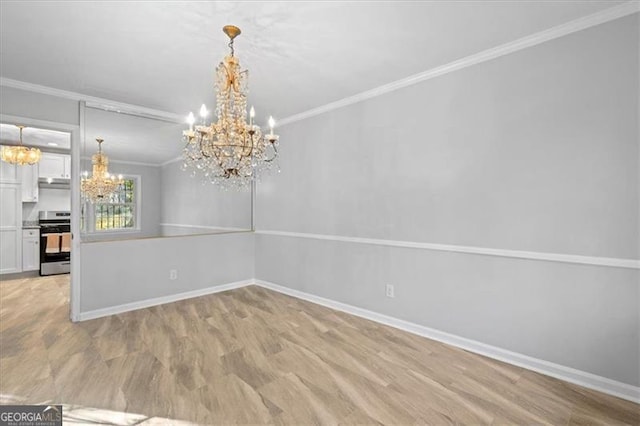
{"x":30,"y":225}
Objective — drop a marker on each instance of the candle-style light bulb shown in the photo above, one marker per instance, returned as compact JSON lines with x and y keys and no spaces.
{"x":203,"y":112}
{"x":271,"y":124}
{"x":191,"y":119}
{"x":252,"y":114}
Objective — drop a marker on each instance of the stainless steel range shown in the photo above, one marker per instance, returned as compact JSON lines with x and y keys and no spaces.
{"x":55,"y":242}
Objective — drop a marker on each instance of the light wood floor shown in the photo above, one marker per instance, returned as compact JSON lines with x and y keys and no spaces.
{"x":254,"y":356}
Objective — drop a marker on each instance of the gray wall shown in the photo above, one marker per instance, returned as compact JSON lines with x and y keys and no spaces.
{"x":200,"y":207}
{"x":34,"y":105}
{"x":536,"y":150}
{"x":151,"y":200}
{"x":119,"y":272}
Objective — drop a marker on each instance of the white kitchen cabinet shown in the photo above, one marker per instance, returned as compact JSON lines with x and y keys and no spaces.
{"x":30,"y":250}
{"x":55,"y":166}
{"x":9,"y":173}
{"x":10,"y":228}
{"x":29,"y":183}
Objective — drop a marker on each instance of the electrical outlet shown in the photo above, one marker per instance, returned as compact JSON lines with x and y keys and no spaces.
{"x":173,"y":274}
{"x":390,"y":291}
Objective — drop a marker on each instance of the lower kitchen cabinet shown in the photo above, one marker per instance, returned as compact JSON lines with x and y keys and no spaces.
{"x":30,"y":249}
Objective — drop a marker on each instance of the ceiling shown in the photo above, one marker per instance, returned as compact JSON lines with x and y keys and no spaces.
{"x":130,"y":138}
{"x":48,"y":139}
{"x":301,"y":55}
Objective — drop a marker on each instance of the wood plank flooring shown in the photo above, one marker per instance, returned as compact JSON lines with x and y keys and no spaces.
{"x":253,"y":356}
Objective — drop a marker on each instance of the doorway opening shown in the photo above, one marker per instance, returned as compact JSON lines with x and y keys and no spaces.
{"x":40,"y":204}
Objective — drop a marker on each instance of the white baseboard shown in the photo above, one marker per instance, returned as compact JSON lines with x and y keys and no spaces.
{"x":126,"y":307}
{"x":568,"y":374}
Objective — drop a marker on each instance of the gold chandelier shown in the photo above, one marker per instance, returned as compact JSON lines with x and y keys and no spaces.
{"x":19,"y":154}
{"x":229,"y":152}
{"x":101,"y":184}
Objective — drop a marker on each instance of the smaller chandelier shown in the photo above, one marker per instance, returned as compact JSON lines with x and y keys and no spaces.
{"x":101,"y":184}
{"x":19,"y":154}
{"x":229,"y":151}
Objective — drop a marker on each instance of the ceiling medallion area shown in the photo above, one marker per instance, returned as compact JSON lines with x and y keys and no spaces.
{"x":229,"y":152}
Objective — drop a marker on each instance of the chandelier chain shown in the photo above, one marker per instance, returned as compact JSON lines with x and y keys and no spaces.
{"x":231,"y":47}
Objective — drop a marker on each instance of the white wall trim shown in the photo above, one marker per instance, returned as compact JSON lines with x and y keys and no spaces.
{"x":568,"y":374}
{"x":141,"y":304}
{"x":570,"y":27}
{"x":519,"y":254}
{"x":135,"y":110}
{"x":93,"y":101}
{"x":216,"y":228}
{"x":134,"y":163}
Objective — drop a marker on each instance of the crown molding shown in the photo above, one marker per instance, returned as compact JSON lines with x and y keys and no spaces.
{"x":601,"y":17}
{"x":562,"y":30}
{"x":93,"y":101}
{"x":173,"y":160}
{"x":133,"y":163}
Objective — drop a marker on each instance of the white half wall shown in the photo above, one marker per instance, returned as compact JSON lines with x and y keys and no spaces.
{"x":535,"y":151}
{"x":126,"y":272}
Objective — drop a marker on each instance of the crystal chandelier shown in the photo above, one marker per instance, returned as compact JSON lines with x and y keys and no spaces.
{"x":20,"y":154}
{"x":101,"y":184}
{"x":229,"y":152}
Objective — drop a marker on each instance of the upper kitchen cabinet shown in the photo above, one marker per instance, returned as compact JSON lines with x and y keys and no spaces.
{"x":55,"y":166}
{"x":30,"y":183}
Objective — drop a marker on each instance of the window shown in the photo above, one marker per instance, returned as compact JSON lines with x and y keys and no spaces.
{"x":119,"y":212}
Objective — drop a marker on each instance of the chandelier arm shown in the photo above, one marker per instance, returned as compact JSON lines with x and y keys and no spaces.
{"x":202,"y":151}
{"x":275,"y":155}
{"x":190,"y":155}
{"x":251,"y":145}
